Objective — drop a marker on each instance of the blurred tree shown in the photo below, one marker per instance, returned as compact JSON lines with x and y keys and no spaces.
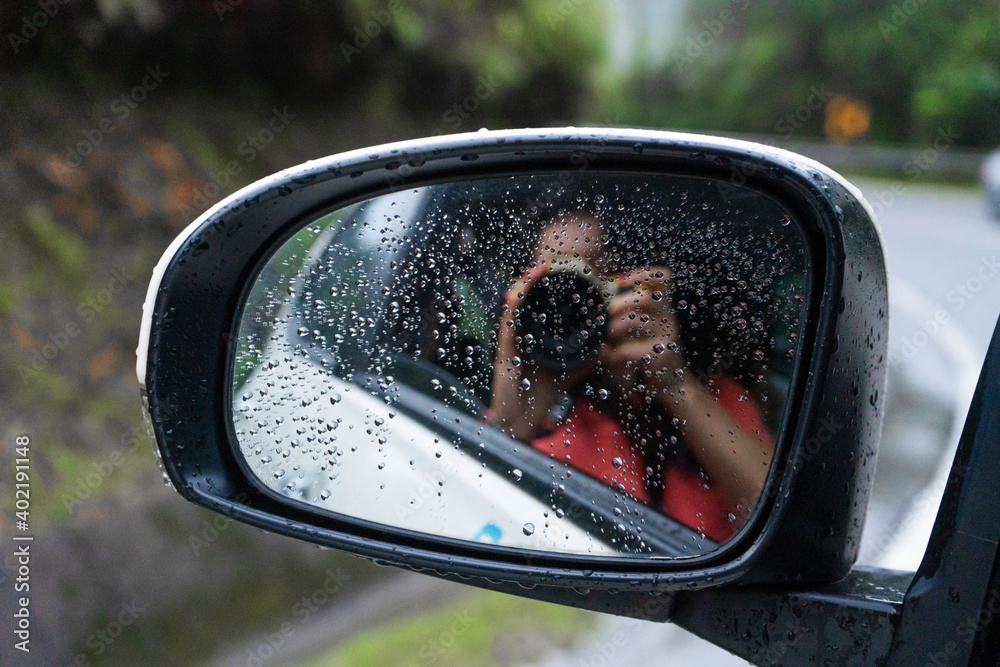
{"x":414,"y":54}
{"x":920,"y":67}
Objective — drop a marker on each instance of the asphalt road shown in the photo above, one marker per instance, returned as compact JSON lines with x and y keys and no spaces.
{"x":943,"y":258}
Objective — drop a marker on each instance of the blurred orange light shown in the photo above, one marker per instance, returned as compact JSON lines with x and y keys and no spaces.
{"x":846,"y":119}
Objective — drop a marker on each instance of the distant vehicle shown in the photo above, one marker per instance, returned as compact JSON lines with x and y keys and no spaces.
{"x":322,"y":356}
{"x":989,"y":174}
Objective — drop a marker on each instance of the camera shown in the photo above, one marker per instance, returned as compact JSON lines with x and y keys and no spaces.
{"x":562,"y":320}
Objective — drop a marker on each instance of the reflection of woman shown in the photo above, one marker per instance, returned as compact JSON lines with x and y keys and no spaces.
{"x":633,"y":417}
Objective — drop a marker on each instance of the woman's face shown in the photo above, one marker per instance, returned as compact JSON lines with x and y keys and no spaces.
{"x":640,"y":308}
{"x":578,"y":235}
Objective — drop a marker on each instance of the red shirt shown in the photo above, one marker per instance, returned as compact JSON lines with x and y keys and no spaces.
{"x":595,"y":443}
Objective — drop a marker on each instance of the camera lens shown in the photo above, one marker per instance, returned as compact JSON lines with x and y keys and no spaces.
{"x":562,"y":318}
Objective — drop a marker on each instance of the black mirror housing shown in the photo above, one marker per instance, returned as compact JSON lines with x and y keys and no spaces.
{"x":807,"y":527}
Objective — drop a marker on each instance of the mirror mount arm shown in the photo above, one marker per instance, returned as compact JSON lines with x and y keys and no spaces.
{"x":833,"y":624}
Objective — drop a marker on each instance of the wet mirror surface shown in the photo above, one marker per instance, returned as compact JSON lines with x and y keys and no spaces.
{"x":594,"y":364}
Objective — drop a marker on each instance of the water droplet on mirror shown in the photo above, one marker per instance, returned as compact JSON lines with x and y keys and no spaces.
{"x":324,"y":494}
{"x":529,"y":529}
{"x":617,"y":462}
{"x":516,"y":474}
{"x":525,"y":384}
{"x":603,"y":393}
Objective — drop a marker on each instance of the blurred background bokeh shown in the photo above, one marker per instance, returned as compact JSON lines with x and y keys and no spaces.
{"x":123,"y":120}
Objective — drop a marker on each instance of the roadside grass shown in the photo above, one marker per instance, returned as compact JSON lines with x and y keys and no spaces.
{"x":485,"y":628}
{"x":258,"y":599}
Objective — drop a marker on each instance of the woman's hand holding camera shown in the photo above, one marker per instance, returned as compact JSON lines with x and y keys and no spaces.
{"x":642,"y":351}
{"x":523,"y":391}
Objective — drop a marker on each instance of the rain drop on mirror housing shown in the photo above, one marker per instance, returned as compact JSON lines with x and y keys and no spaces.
{"x":806,"y":527}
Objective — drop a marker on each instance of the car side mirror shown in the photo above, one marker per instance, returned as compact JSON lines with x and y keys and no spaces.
{"x":595,"y":367}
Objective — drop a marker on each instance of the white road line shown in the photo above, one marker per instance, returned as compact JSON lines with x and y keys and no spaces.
{"x":957,"y":346}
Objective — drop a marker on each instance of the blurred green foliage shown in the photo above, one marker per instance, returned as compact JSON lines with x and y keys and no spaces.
{"x":742,"y":66}
{"x":352,"y":73}
{"x":64,"y":249}
{"x":412,"y":55}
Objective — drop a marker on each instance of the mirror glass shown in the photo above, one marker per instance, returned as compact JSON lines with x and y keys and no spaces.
{"x":575,"y":363}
